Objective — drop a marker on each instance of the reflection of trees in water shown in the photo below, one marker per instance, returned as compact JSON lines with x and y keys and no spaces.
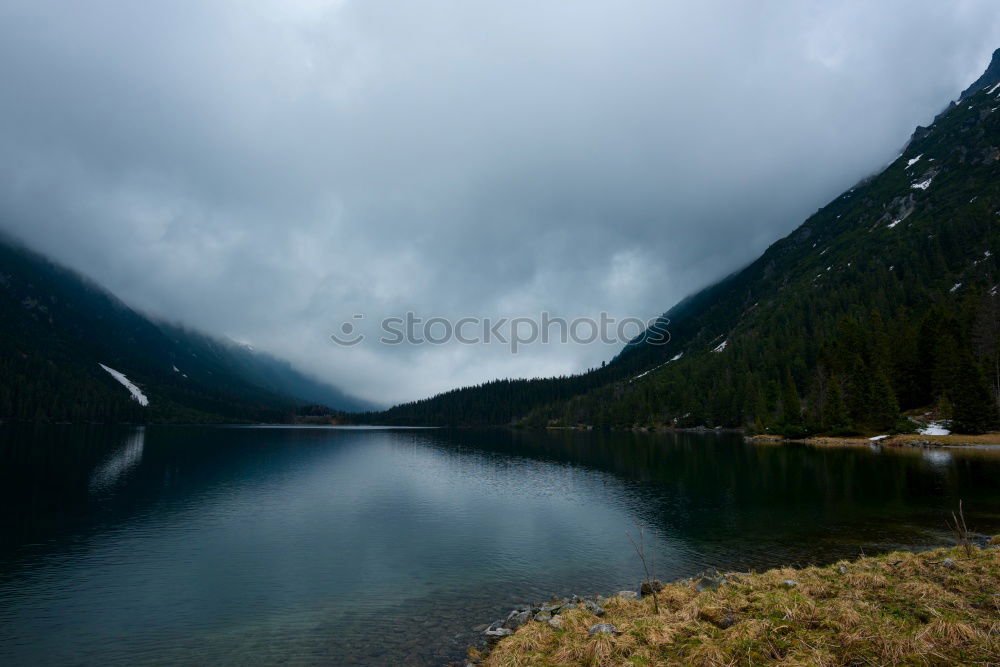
{"x":114,"y":468}
{"x":717,"y":487}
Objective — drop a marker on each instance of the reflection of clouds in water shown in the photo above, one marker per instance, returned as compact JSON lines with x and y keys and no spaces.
{"x":119,"y":462}
{"x":937,"y":457}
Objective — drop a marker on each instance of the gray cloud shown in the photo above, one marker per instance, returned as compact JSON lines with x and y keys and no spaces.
{"x":268,"y":170}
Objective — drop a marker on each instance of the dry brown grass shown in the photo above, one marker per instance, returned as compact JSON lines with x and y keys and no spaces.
{"x":953,"y":440}
{"x":901,"y":440}
{"x":900,"y":608}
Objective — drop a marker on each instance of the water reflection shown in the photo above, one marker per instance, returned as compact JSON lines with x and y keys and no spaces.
{"x":243,"y":545}
{"x":937,"y":457}
{"x":118,"y":464}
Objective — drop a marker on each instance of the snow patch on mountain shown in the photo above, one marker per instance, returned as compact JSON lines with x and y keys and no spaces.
{"x":655,"y":368}
{"x":137,"y":394}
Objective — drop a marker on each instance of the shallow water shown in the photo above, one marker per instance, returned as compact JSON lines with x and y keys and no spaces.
{"x":316,"y":545}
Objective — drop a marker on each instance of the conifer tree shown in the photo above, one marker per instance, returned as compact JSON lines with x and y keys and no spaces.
{"x":883,"y":410}
{"x":974,"y":409}
{"x":834,"y":416}
{"x":791,"y":407}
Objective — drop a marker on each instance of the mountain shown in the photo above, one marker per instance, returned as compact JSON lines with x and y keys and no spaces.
{"x":883,"y":301}
{"x":69,"y":351}
{"x":990,"y":77}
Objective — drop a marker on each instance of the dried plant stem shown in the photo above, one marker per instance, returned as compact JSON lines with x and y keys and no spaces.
{"x":961,"y":531}
{"x":649,"y":567}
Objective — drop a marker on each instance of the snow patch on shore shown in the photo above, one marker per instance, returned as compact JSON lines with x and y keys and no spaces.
{"x":934,"y":428}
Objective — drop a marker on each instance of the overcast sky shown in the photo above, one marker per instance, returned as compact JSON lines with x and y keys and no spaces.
{"x":268,"y":169}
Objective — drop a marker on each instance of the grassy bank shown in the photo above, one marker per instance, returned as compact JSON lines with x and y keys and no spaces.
{"x":935,"y":607}
{"x":901,"y":440}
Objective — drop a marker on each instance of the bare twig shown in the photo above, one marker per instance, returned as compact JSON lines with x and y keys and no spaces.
{"x":961,"y":531}
{"x":640,"y":550}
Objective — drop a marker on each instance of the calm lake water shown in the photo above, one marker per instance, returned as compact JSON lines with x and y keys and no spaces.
{"x":313,"y":545}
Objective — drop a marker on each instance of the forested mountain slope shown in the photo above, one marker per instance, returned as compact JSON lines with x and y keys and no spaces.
{"x":56,"y":328}
{"x":883,"y":301}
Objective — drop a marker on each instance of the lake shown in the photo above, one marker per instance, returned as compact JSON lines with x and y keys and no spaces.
{"x":233,"y":545}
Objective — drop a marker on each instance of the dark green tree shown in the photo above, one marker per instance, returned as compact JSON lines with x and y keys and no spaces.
{"x":974,"y":409}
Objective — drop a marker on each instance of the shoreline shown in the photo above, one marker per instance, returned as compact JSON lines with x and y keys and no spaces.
{"x":983,"y":441}
{"x":903,"y":606}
